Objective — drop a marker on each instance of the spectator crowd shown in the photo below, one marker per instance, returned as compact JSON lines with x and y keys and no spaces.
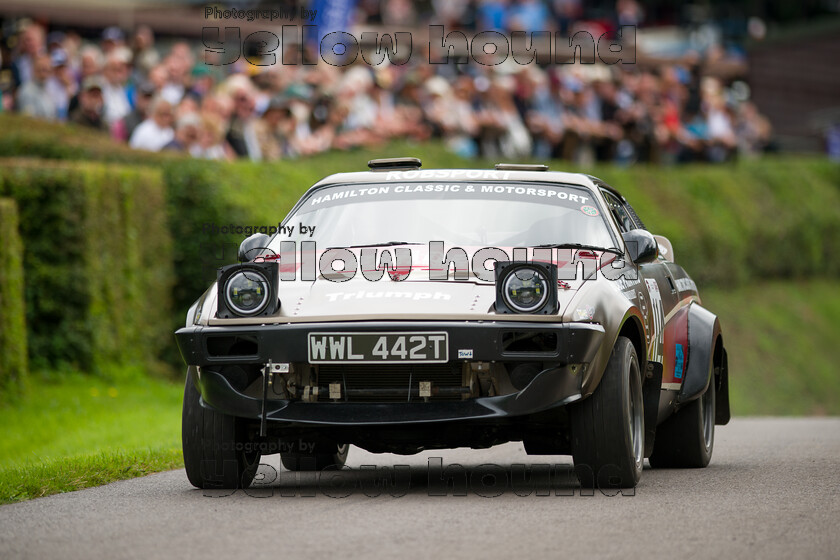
{"x":168,"y":97}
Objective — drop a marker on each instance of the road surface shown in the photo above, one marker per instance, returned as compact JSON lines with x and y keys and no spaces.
{"x":772,"y":491}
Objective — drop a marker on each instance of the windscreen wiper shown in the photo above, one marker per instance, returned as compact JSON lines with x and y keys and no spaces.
{"x":383,"y":244}
{"x":579,"y":246}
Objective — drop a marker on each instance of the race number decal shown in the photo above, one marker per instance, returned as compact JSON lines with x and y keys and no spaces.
{"x":658,"y":335}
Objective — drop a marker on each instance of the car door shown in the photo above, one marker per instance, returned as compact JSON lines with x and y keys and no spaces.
{"x":656,"y":294}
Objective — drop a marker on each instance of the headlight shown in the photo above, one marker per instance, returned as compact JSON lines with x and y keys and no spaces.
{"x":526,"y":289}
{"x":246,"y":292}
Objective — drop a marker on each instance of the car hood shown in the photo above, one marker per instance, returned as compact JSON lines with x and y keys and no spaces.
{"x":359,"y":299}
{"x":416,"y":297}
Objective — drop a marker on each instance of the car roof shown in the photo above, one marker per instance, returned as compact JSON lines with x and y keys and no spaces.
{"x":459,"y":174}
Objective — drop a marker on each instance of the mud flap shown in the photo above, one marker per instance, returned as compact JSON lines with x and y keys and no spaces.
{"x":651,"y":390}
{"x":722,"y":413}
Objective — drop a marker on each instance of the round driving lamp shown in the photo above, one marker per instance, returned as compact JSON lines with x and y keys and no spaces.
{"x":526,"y":289}
{"x":246,"y":292}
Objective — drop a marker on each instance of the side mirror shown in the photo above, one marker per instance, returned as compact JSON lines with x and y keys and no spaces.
{"x":641,"y":246}
{"x":665,"y":248}
{"x":252,"y":246}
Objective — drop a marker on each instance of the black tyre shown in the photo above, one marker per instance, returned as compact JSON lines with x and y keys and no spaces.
{"x":608,"y":427}
{"x":218,"y":452}
{"x":322,"y":455}
{"x":687,"y":438}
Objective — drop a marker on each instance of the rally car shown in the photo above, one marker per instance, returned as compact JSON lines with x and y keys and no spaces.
{"x":402,"y":309}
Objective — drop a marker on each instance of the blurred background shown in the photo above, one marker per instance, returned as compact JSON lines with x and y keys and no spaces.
{"x":123,"y":136}
{"x":711,"y":81}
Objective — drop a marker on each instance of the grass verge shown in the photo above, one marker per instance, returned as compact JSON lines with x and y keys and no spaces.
{"x":67,"y":474}
{"x":73,"y":431}
{"x":781,"y":337}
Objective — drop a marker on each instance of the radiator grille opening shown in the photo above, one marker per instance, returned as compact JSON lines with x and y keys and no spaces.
{"x":393,"y":382}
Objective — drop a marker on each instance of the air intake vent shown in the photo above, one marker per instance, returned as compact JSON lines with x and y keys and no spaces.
{"x":395,"y":163}
{"x":521,"y":167}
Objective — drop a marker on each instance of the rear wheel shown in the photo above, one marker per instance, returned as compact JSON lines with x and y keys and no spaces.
{"x":322,"y":454}
{"x":686,"y":439}
{"x":218,"y":452}
{"x":608,"y":427}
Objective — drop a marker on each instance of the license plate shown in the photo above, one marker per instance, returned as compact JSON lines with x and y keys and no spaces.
{"x":378,"y":348}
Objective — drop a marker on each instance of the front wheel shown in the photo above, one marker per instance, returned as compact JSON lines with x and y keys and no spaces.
{"x":218,"y":452}
{"x":607,"y":428}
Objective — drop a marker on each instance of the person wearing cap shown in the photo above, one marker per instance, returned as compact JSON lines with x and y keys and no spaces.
{"x":88,"y":112}
{"x":115,"y":93}
{"x":143,"y":49}
{"x":202,"y":81}
{"x":274,"y":129}
{"x":31,"y":44}
{"x":90,"y":64}
{"x":143,"y":98}
{"x":55,"y":40}
{"x":112,"y":37}
{"x":33,"y":98}
{"x":300,"y":101}
{"x":240,"y":133}
{"x":61,"y":85}
{"x":177,"y":65}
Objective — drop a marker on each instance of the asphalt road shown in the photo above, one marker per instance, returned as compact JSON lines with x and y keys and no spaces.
{"x":772,"y":491}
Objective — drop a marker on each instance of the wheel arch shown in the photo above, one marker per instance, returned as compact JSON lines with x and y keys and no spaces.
{"x":630,"y":326}
{"x":633,"y":329}
{"x":704,"y":333}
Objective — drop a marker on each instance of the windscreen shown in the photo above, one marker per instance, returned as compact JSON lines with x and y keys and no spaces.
{"x":463,"y":214}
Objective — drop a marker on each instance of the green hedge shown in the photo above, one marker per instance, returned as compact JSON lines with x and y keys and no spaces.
{"x":192,"y":189}
{"x":195,"y":198}
{"x":98,"y":262}
{"x":13,"y":358}
{"x":28,"y":137}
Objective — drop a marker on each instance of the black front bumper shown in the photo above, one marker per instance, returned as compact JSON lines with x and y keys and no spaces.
{"x":555,"y":386}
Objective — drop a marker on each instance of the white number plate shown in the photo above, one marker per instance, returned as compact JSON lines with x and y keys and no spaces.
{"x":378,"y":348}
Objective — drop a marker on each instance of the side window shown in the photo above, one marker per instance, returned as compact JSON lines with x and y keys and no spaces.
{"x":619,"y":212}
{"x":639,"y":223}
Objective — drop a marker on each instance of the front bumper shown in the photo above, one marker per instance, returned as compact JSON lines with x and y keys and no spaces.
{"x":555,"y":385}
